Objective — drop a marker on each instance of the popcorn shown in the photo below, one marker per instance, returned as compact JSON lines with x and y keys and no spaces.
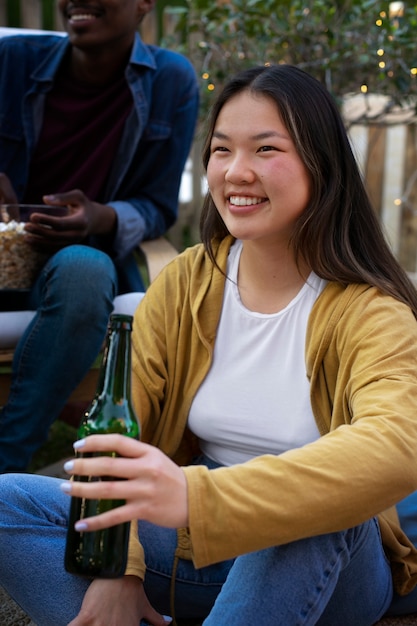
{"x":19,"y":262}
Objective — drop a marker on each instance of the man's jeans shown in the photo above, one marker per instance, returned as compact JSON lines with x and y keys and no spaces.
{"x":340,"y":579}
{"x":73,"y":296}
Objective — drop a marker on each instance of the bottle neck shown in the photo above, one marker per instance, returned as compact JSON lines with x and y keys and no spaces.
{"x":116,"y":368}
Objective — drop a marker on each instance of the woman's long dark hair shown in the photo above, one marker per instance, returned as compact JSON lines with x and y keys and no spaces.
{"x":338,"y":234}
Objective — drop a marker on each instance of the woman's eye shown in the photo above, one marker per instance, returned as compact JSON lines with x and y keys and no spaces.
{"x":266,"y":148}
{"x":219,"y":149}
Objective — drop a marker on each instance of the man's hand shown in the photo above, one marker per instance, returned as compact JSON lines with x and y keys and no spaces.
{"x":50,"y":233}
{"x":117,"y":602}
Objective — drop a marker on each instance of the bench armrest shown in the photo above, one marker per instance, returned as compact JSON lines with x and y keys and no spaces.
{"x":155,"y":254}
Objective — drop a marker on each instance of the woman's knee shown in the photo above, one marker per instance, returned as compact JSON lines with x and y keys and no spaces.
{"x":9,"y":486}
{"x":24,"y":496}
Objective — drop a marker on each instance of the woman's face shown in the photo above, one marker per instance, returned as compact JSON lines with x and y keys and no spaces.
{"x":257,"y":180}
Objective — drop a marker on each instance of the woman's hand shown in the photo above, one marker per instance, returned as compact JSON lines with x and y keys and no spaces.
{"x":50,"y":233}
{"x":115,"y":602}
{"x":155,"y":488}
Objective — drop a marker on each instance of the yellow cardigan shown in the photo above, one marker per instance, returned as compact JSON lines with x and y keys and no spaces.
{"x":361,"y":360}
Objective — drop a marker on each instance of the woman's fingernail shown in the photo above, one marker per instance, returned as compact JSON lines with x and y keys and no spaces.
{"x":79,"y":444}
{"x":66,"y":487}
{"x":68,"y":466}
{"x":80,"y":526}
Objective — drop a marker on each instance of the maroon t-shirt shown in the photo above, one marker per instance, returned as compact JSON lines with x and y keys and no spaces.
{"x":81,"y":132}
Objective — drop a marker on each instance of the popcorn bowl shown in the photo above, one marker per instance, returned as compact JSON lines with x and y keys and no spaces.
{"x":20,"y":262}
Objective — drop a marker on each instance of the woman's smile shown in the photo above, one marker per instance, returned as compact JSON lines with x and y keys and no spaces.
{"x":245,"y":205}
{"x":245,"y":200}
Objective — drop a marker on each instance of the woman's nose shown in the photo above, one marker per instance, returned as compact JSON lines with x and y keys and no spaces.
{"x":239,"y":171}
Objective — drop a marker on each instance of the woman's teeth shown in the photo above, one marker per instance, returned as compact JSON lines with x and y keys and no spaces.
{"x":244,"y":201}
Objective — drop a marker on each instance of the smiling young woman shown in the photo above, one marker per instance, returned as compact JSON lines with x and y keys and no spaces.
{"x":274,"y":370}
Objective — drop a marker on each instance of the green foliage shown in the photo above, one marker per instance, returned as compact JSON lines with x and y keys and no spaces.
{"x":13,"y":13}
{"x":48,"y":7}
{"x":59,"y":446}
{"x":346,"y":44}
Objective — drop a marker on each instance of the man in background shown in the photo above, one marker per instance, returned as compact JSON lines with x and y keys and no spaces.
{"x":100,"y":123}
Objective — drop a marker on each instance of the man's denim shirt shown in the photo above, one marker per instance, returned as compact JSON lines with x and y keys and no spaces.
{"x":144,"y":183}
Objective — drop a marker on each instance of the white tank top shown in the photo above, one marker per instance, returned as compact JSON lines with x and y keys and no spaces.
{"x":256,"y":397}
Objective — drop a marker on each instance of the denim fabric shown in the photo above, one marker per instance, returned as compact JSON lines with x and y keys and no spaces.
{"x":73,"y":296}
{"x":340,"y":579}
{"x":407,"y":512}
{"x":144,"y":183}
{"x":33,"y":523}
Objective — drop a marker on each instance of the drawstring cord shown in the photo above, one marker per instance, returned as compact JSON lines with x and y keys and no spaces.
{"x":183,"y":551}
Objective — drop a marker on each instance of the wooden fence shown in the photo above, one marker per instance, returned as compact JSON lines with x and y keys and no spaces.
{"x":36,"y":14}
{"x":389,"y":163}
{"x":386,"y":150}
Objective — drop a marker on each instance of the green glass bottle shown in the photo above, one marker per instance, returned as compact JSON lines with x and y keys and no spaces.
{"x":103,"y":553}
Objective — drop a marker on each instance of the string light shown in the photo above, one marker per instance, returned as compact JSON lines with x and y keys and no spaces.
{"x":396,"y":10}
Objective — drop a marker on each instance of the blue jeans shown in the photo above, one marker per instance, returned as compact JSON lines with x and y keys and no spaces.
{"x":407,"y":512}
{"x":340,"y":579}
{"x":73,"y":296}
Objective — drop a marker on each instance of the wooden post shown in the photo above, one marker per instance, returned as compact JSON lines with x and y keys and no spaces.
{"x":149,"y":28}
{"x":3,"y":12}
{"x":374,"y":172}
{"x":393,"y":184}
{"x":31,"y":11}
{"x":408,"y":234}
{"x":57,"y":18}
